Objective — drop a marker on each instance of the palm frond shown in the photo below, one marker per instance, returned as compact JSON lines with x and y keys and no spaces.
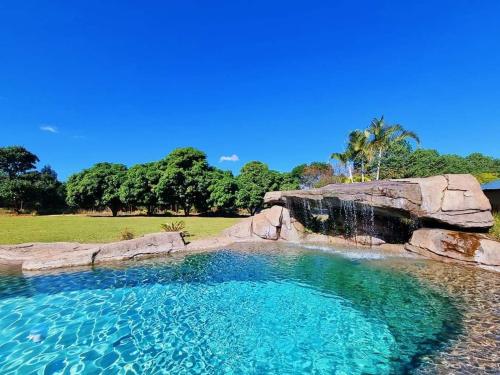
{"x":405,"y":134}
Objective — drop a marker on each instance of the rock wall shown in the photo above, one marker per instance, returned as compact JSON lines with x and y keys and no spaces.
{"x":46,"y":256}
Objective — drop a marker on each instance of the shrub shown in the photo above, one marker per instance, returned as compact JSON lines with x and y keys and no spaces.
{"x":176,"y":226}
{"x":126,"y":234}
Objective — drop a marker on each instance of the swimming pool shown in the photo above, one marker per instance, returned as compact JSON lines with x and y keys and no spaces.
{"x":275,"y":310}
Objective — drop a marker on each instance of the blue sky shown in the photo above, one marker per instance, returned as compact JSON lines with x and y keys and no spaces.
{"x":282,"y":82}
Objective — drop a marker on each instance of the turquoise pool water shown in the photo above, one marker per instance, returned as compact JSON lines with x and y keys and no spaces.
{"x":224,"y":312}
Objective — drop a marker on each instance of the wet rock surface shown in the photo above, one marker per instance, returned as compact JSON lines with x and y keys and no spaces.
{"x":454,"y":246}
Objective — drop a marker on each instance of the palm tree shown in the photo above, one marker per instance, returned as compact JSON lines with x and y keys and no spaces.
{"x":383,"y":136}
{"x":360,"y":146}
{"x":345,"y":160}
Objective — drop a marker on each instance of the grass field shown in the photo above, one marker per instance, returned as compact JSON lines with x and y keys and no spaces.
{"x":89,"y":229}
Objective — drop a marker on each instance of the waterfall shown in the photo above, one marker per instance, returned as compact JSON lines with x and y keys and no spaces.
{"x":322,"y":219}
{"x":333,"y":216}
{"x":368,"y":220}
{"x":349,"y":214}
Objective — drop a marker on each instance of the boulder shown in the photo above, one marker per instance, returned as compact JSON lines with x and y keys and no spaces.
{"x":34,"y":256}
{"x":270,"y":224}
{"x":455,"y":246}
{"x":273,"y":215}
{"x":291,"y":229}
{"x":46,"y":256}
{"x":368,"y":240}
{"x":241,"y":230}
{"x":263,"y":228}
{"x":453,"y":200}
{"x":149,"y":244}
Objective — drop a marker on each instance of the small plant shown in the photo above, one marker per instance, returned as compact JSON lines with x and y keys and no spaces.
{"x":126,"y":234}
{"x":175,"y":226}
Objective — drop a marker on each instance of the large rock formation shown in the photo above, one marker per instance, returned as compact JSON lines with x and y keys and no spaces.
{"x":437,"y":217}
{"x":453,"y":246}
{"x":270,"y":224}
{"x":45,"y":256}
{"x":454,"y":201}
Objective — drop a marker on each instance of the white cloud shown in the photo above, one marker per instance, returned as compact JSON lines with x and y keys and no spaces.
{"x":48,"y":128}
{"x":233,"y":157}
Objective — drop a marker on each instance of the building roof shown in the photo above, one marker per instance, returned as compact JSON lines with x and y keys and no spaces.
{"x":493,"y":185}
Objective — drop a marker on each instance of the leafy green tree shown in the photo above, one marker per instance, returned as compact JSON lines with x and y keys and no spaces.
{"x":18,"y":192}
{"x":254,"y":180}
{"x":185,"y":180}
{"x":50,"y":194}
{"x":479,"y":163}
{"x":223,"y":190}
{"x":382,"y":136}
{"x":396,"y":161}
{"x":138,"y":188}
{"x":287,"y":181}
{"x":22,"y":187}
{"x":424,"y":163}
{"x":451,"y":163}
{"x":16,"y":160}
{"x":97,"y":187}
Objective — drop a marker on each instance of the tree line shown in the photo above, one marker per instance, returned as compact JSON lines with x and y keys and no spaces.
{"x":184,"y":181}
{"x":181,"y":181}
{"x":384,"y":151}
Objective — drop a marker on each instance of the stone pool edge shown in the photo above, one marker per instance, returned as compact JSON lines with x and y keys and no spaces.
{"x":44,"y":257}
{"x":48,"y":256}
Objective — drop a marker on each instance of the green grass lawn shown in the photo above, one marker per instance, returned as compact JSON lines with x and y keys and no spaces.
{"x":88,"y":229}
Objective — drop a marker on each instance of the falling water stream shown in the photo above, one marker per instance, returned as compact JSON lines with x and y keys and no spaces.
{"x":351,"y":219}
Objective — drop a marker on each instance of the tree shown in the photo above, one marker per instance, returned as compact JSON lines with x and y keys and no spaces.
{"x":22,"y":187}
{"x":454,"y":164}
{"x":97,"y":187}
{"x":345,"y":161}
{"x":223,"y":189}
{"x":479,"y":163}
{"x":315,"y":174}
{"x":382,"y":136}
{"x":396,"y":161}
{"x":138,"y":187}
{"x":286,"y":181}
{"x":360,"y":149}
{"x":185,"y":180}
{"x":424,"y":163}
{"x":254,"y":181}
{"x":50,"y":193}
{"x":16,"y":160}
{"x":16,"y":193}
